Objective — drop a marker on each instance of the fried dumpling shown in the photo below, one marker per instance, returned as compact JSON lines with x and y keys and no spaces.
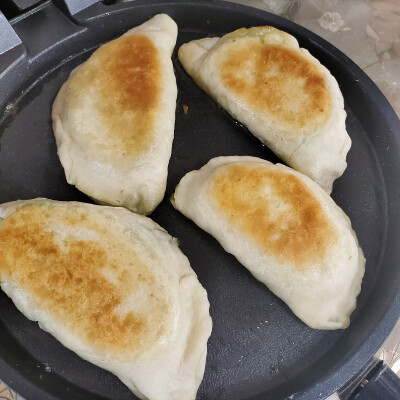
{"x":284,"y":96}
{"x":284,"y":229}
{"x":114,"y":118}
{"x":113,"y":287}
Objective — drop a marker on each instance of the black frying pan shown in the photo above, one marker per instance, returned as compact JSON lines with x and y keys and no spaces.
{"x":258,"y":348}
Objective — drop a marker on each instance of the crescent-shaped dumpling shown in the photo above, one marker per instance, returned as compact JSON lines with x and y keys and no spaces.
{"x":114,"y":118}
{"x":284,"y":96}
{"x":284,"y":229}
{"x":113,"y":287}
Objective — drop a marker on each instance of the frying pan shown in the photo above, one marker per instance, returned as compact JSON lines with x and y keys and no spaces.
{"x":258,"y":348}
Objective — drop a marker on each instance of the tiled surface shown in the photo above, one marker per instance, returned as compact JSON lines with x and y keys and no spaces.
{"x":7,"y":394}
{"x":369,"y":33}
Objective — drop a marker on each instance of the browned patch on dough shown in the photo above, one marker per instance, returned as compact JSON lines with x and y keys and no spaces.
{"x":277,"y":210}
{"x":66,"y":277}
{"x":124,"y":77}
{"x":280,"y":81}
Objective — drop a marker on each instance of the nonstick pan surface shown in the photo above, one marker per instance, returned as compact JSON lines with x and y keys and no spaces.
{"x":258,"y":349}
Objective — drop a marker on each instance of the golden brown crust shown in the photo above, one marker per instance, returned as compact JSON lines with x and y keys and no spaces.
{"x":124,"y":77}
{"x":277,"y":210}
{"x":84,"y":283}
{"x":278,"y":80}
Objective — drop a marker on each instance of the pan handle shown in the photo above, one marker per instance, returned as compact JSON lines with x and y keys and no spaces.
{"x":72,"y":7}
{"x":380,"y":384}
{"x":9,"y":39}
{"x":11,"y":47}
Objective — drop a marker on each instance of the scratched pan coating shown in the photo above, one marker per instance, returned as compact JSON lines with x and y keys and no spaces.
{"x":258,"y":349}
